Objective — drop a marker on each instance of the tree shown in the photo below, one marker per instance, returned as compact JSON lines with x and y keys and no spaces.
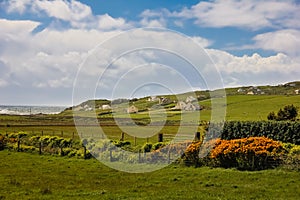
{"x":272,"y":116}
{"x":289,"y":112}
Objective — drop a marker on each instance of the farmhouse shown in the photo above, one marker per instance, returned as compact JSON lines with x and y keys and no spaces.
{"x":186,"y":106}
{"x":190,"y":99}
{"x":297,"y":91}
{"x":153,"y":98}
{"x":164,"y":100}
{"x":241,"y":90}
{"x":105,"y":107}
{"x":132,"y":109}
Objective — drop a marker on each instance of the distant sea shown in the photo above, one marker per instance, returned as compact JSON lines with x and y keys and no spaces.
{"x":27,"y":110}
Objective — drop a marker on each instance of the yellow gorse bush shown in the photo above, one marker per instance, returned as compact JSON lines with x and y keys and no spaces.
{"x":252,"y":145}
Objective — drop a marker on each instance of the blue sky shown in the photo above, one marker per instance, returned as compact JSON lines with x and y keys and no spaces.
{"x":43,"y":43}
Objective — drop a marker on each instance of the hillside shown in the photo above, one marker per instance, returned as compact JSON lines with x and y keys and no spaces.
{"x":243,"y":103}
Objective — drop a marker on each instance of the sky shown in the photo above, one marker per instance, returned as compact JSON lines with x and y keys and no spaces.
{"x":47,"y":48}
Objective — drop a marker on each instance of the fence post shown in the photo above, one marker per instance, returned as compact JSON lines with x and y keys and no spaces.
{"x":122,"y":136}
{"x":73,"y":136}
{"x":160,"y":137}
{"x":110,"y":155}
{"x":84,"y":152}
{"x":134,"y":141}
{"x":18,"y":147}
{"x":139,"y":155}
{"x":147,"y":140}
{"x":197,"y":136}
{"x":40,"y":148}
{"x":62,"y":133}
{"x":42,"y":133}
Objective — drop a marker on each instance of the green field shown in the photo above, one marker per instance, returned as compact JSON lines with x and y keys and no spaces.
{"x":30,"y":176}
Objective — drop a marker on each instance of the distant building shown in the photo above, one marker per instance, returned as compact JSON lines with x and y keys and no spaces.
{"x":241,"y":90}
{"x":105,"y":107}
{"x":250,"y":93}
{"x":164,"y":100}
{"x":190,"y":99}
{"x":132,"y":109}
{"x":153,"y":98}
{"x":297,"y":91}
{"x":186,"y":106}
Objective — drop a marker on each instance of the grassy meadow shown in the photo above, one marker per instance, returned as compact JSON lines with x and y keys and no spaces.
{"x":30,"y":176}
{"x":33,"y":176}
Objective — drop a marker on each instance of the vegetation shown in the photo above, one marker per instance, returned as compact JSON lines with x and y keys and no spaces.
{"x":52,"y":144}
{"x":30,"y":176}
{"x":289,"y":112}
{"x":288,"y":132}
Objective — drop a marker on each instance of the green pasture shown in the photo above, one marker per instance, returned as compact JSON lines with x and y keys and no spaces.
{"x":30,"y":176}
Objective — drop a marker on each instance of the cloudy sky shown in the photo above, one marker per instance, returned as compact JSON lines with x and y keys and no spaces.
{"x":45,"y":45}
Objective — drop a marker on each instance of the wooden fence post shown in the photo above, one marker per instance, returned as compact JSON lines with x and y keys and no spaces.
{"x":110,"y":155}
{"x":62,"y":133}
{"x":197,"y":136}
{"x":73,"y":136}
{"x":40,"y":148}
{"x":84,"y":152}
{"x":134,"y":141}
{"x":139,"y":155}
{"x":42,"y":133}
{"x":122,"y":136}
{"x":18,"y":147}
{"x":160,"y":137}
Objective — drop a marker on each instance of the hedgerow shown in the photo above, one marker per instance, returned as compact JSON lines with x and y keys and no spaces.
{"x":287,"y":132}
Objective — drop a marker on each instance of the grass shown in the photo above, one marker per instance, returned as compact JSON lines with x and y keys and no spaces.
{"x":30,"y":176}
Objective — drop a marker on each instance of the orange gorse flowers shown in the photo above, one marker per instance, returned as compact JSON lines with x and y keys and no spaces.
{"x":253,"y":145}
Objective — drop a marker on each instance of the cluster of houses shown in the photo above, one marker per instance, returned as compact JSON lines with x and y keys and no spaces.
{"x":251,"y":91}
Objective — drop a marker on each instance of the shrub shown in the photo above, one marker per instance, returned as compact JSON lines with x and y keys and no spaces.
{"x":2,"y":142}
{"x":191,"y":155}
{"x":147,"y":147}
{"x":289,"y":112}
{"x":253,"y":153}
{"x":158,"y":145}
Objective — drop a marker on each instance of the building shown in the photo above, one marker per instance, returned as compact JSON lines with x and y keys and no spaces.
{"x":132,"y":109}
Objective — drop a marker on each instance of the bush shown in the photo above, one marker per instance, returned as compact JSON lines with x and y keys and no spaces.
{"x":147,"y":147}
{"x":289,"y":112}
{"x":158,"y":145}
{"x":191,"y":155}
{"x":2,"y":142}
{"x":253,"y":153}
{"x":284,"y":131}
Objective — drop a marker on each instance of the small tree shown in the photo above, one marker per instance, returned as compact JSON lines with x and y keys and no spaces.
{"x":289,"y":112}
{"x":272,"y":116}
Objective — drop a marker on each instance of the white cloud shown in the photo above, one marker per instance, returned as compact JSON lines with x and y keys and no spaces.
{"x":254,"y":15}
{"x":16,"y":5}
{"x":203,"y":42}
{"x":78,"y":15}
{"x":159,"y":23}
{"x":106,"y":22}
{"x":63,"y":9}
{"x":256,"y":69}
{"x":287,"y":41}
{"x":16,"y":28}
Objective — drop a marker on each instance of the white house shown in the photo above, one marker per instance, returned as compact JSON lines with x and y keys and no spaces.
{"x":190,"y":99}
{"x":106,"y":107}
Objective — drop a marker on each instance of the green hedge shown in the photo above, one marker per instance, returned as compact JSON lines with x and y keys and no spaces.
{"x":288,"y":132}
